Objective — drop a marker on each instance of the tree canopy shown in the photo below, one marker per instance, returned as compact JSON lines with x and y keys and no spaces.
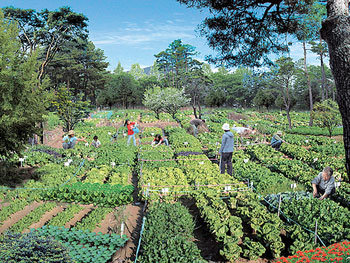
{"x":22,"y":102}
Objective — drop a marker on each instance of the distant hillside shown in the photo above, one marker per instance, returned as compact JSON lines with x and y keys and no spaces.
{"x":147,"y":70}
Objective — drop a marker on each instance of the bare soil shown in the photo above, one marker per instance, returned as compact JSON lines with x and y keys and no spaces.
{"x":132,"y":219}
{"x":237,"y":116}
{"x":159,"y":124}
{"x":107,"y":224}
{"x":3,"y":205}
{"x":18,"y":216}
{"x":54,"y":138}
{"x":45,"y":218}
{"x":79,"y":216}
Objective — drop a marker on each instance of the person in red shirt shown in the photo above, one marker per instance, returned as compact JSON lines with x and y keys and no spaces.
{"x":131,"y":134}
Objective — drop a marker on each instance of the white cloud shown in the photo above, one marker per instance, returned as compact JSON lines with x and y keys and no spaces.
{"x":145,"y":33}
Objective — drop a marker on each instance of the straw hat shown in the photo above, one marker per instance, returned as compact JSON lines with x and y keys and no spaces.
{"x":226,"y":127}
{"x":71,"y":132}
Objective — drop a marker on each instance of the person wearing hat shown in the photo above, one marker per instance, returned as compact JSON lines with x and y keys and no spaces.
{"x":70,"y":140}
{"x":276,"y":140}
{"x":226,"y":150}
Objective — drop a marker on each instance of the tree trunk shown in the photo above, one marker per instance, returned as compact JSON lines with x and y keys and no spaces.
{"x":288,"y":117}
{"x":199,"y":110}
{"x":195,"y":111}
{"x":323,"y":73}
{"x":308,"y":84}
{"x":336,"y":32}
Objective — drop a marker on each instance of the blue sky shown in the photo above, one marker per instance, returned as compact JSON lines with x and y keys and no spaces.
{"x":133,"y":31}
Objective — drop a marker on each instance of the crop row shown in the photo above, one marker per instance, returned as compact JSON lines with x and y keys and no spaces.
{"x":168,"y":235}
{"x":85,"y":246}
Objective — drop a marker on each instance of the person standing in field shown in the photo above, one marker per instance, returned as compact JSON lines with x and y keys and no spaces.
{"x":226,"y":150}
{"x":131,"y":134}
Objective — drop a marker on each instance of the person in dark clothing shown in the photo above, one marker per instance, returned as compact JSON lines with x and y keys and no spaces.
{"x":276,"y":140}
{"x":195,"y":123}
{"x":159,"y":140}
{"x":226,"y":150}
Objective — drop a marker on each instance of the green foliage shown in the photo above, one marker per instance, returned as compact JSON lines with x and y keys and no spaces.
{"x":32,"y":248}
{"x":92,"y":220}
{"x":53,"y":121}
{"x":70,"y":110}
{"x":33,"y":217}
{"x":64,"y":217}
{"x":264,"y":98}
{"x":84,"y":246}
{"x":87,"y":193}
{"x":121,"y":89}
{"x":14,"y":207}
{"x":168,"y":235}
{"x":326,"y":115}
{"x":23,"y":101}
{"x":175,"y":62}
{"x":169,"y":100}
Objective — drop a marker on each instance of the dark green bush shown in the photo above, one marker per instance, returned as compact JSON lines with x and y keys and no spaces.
{"x":25,"y":248}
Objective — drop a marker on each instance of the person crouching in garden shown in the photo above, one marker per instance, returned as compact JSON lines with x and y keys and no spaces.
{"x":69,"y":141}
{"x":95,"y":142}
{"x":323,"y":184}
{"x":276,"y":140}
{"x":159,"y":140}
{"x":131,"y":134}
{"x":226,"y":150}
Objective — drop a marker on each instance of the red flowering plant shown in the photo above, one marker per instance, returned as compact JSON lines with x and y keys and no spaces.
{"x":338,"y":252}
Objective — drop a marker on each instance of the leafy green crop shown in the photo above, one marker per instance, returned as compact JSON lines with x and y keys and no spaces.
{"x":86,"y":193}
{"x":167,"y":235}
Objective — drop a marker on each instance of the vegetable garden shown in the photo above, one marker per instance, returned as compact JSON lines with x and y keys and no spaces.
{"x":83,"y":197}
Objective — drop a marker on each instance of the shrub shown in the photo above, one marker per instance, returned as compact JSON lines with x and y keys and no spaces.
{"x":31,"y":248}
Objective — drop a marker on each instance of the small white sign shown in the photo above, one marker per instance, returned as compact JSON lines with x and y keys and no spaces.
{"x":307,"y":141}
{"x":109,"y":133}
{"x":25,"y":157}
{"x":248,"y":142}
{"x":293,"y":186}
{"x":246,"y":160}
{"x":201,"y":162}
{"x":335,"y":141}
{"x":185,"y":143}
{"x":165,"y":190}
{"x":112,"y":164}
{"x":70,"y":160}
{"x":86,"y":144}
{"x":66,"y":164}
{"x":337,"y":184}
{"x":21,"y":159}
{"x":152,"y":133}
{"x":227,"y":188}
{"x":315,"y":160}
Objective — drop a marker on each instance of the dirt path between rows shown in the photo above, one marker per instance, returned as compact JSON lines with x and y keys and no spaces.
{"x":19,"y":215}
{"x":45,"y":218}
{"x":132,"y":213}
{"x":79,"y":216}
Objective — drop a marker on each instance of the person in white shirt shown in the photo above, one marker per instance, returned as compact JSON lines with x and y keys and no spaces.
{"x":96,"y":143}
